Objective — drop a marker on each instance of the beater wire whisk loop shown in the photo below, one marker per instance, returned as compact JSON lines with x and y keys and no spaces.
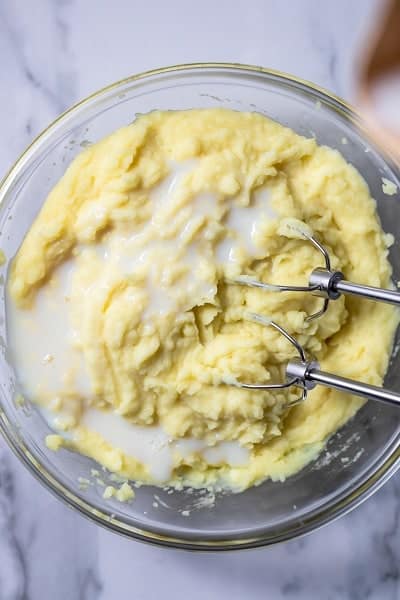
{"x":306,"y":374}
{"x":325,"y":283}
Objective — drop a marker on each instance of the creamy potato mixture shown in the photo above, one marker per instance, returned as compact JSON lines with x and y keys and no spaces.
{"x":124,"y":323}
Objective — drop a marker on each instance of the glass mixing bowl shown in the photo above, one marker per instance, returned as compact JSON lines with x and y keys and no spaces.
{"x":357,"y":459}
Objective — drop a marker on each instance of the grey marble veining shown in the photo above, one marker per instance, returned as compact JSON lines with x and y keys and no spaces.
{"x":12,"y":562}
{"x":46,"y":549}
{"x":53,"y":53}
{"x":38,"y":78}
{"x":356,"y":558}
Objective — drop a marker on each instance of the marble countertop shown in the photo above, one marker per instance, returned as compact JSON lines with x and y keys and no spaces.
{"x":55,"y":52}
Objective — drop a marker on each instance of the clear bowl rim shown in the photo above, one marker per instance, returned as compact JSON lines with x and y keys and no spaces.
{"x":334,"y":509}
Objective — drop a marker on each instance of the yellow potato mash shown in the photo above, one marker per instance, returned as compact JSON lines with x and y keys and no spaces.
{"x":124,"y":322}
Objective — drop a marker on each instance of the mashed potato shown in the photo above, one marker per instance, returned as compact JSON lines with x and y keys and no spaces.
{"x":123,"y":322}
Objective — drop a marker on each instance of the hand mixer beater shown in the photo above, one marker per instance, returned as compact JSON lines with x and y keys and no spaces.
{"x":306,"y":373}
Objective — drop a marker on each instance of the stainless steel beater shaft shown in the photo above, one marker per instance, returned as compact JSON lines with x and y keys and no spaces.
{"x":308,"y":373}
{"x":326,"y":283}
{"x":331,"y":284}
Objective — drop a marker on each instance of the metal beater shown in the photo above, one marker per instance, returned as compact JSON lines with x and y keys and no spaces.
{"x":305,"y":373}
{"x":382,"y":57}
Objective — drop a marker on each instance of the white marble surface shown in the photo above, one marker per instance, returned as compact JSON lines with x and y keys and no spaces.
{"x":54,"y":52}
